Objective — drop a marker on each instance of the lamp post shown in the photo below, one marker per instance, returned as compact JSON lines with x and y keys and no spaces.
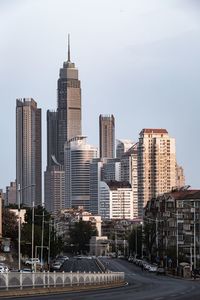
{"x":19,"y":227}
{"x":19,"y":189}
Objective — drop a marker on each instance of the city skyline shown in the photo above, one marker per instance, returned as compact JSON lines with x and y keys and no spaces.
{"x":106,"y":88}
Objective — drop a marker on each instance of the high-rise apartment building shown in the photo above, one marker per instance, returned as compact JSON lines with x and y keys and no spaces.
{"x":28,"y":151}
{"x":156,"y":165}
{"x":107,"y":136}
{"x":78,"y":156}
{"x":69,"y":106}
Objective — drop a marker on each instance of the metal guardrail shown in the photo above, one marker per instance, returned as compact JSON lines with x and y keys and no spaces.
{"x":18,"y":280}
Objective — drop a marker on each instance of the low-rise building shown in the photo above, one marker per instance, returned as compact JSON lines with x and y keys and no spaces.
{"x":177,"y":224}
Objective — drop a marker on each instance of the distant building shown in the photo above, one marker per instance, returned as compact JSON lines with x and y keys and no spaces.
{"x":122,"y":147}
{"x":52,"y":137}
{"x":11,"y":194}
{"x":1,"y":215}
{"x":54,"y":188}
{"x":28,"y":151}
{"x":99,"y":245}
{"x":96,"y":167}
{"x":129,"y":173}
{"x":177,"y":216}
{"x":66,"y":219}
{"x":102,"y":169}
{"x":116,"y":200}
{"x":78,"y":156}
{"x":107,"y":136}
{"x":69,"y":106}
{"x":180,"y":178}
{"x":156,"y":165}
{"x":111,"y":169}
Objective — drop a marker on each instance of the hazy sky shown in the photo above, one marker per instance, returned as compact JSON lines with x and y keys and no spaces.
{"x":137,"y":59}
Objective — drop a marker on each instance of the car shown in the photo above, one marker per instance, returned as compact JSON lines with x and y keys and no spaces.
{"x":26,"y":270}
{"x":4,"y":269}
{"x":153,"y":269}
{"x":160,"y":271}
{"x":32,"y":261}
{"x":56,"y":265}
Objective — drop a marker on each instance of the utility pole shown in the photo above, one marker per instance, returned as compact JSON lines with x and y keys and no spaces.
{"x":19,"y":227}
{"x":195,"y":258}
{"x":157,"y":237}
{"x":42,"y":239}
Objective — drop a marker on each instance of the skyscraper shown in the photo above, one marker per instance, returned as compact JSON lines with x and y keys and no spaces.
{"x":28,"y":151}
{"x":52,"y":137}
{"x":156,"y":165}
{"x":107,"y":136}
{"x":69,"y":105}
{"x":78,"y":156}
{"x":129,"y":173}
{"x":62,"y":125}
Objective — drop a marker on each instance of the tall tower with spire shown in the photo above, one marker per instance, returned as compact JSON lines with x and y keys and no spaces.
{"x":68,"y":105}
{"x":62,"y":125}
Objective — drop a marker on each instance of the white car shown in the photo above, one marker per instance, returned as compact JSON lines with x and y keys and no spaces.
{"x":57,"y":265}
{"x":153,"y":269}
{"x":32,"y":261}
{"x":3,"y":269}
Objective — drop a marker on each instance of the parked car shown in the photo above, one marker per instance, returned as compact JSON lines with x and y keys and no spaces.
{"x":56,"y":265}
{"x":26,"y":270}
{"x":153,"y":269}
{"x":160,"y":271}
{"x":4,"y":269}
{"x":32,"y":261}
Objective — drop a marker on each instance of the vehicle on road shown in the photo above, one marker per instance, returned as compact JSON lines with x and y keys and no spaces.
{"x":153,"y":269}
{"x":26,"y":270}
{"x":160,"y":271}
{"x":32,"y":261}
{"x":56,"y":265}
{"x":3,"y":269}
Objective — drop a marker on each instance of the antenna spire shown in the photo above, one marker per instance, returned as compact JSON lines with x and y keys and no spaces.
{"x":68,"y":47}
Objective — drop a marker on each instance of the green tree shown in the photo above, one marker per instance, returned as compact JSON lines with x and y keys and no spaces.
{"x":80,"y":235}
{"x":56,"y":244}
{"x":135,"y":241}
{"x":9,"y":224}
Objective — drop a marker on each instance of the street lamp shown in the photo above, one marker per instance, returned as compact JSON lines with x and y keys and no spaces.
{"x":19,"y":189}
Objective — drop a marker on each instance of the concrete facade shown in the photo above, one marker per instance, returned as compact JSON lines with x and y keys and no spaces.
{"x":28,"y":151}
{"x":156,"y":165}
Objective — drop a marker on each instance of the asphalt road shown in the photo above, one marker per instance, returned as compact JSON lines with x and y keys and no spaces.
{"x":81,"y":265}
{"x":141,"y":286}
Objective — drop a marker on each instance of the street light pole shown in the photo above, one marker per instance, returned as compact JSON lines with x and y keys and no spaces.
{"x":177,"y":239}
{"x":195,"y":258}
{"x":19,"y":227}
{"x":33,"y":221}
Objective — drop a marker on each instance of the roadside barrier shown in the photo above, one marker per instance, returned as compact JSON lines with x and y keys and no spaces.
{"x":19,"y":280}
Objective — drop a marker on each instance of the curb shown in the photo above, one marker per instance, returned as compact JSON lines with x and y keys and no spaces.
{"x":52,"y":290}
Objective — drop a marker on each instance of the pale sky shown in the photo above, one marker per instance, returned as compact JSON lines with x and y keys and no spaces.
{"x":137,"y":59}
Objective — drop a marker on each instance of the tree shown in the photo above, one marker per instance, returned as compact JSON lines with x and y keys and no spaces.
{"x":56,"y":244}
{"x":135,"y":240}
{"x":80,"y":236}
{"x":9,"y":224}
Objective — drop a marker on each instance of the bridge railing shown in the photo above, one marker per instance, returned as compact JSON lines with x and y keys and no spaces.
{"x":19,"y":280}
